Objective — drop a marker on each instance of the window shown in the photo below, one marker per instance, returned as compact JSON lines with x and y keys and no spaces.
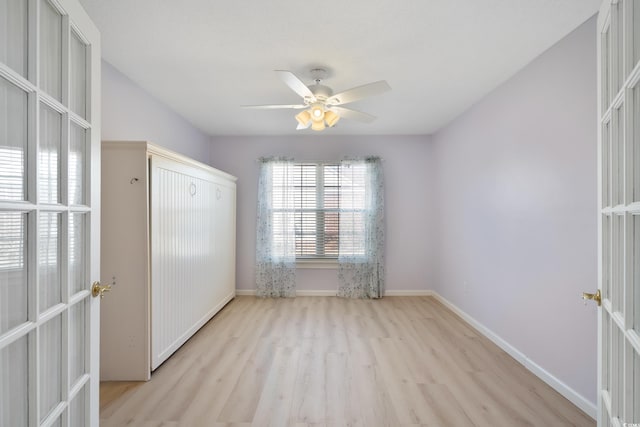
{"x":320,"y":213}
{"x":328,"y":207}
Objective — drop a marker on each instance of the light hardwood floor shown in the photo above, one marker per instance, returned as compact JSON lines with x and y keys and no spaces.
{"x":325,"y":361}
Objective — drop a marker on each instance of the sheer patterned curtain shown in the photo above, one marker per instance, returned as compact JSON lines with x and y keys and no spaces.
{"x":275,"y":240}
{"x":361,"y":253}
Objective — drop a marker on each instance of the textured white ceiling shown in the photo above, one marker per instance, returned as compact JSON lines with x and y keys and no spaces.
{"x":205,"y":58}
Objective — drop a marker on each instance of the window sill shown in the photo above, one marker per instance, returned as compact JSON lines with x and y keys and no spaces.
{"x":317,"y":263}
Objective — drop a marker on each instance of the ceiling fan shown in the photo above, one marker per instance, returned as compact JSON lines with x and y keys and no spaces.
{"x":320,"y":106}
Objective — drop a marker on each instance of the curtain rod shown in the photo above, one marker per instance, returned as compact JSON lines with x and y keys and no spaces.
{"x":259,"y":159}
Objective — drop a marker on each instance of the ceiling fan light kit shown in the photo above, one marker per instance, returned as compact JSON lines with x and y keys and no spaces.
{"x":304,"y":117}
{"x":318,"y":125}
{"x":321,"y":107}
{"x":317,"y":111}
{"x":331,"y":118}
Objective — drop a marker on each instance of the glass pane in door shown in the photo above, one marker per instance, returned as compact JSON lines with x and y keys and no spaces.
{"x":13,"y":141}
{"x":617,"y":372}
{"x":77,"y":349}
{"x":636,"y":32}
{"x":617,"y":157}
{"x":13,"y":34}
{"x":636,"y":273}
{"x":617,"y":263}
{"x":605,"y":67}
{"x":77,"y":409}
{"x":14,"y":410}
{"x":78,"y":76}
{"x":77,"y":164}
{"x":634,"y":140}
{"x":13,"y":270}
{"x":605,"y":165}
{"x":77,"y":251}
{"x":606,"y":351}
{"x":49,"y":269}
{"x":49,"y":155}
{"x":50,"y":50}
{"x":635,"y":379}
{"x":50,"y":365}
{"x":617,"y":11}
{"x":606,"y":256}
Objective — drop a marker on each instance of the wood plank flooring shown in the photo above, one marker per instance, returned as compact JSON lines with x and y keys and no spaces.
{"x":326,"y":361}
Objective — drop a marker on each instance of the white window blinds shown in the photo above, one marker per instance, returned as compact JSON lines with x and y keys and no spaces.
{"x":327,"y":203}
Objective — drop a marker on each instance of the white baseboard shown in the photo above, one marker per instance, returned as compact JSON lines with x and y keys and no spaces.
{"x":573,"y":396}
{"x":318,"y":293}
{"x":301,"y":293}
{"x":330,"y":293}
{"x":408,"y":293}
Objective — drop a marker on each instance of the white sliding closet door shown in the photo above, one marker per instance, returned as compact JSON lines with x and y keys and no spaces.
{"x":619,"y":224}
{"x":49,"y":213}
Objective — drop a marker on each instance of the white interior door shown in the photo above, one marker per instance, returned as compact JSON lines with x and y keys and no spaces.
{"x":49,"y":213}
{"x":619,"y":222}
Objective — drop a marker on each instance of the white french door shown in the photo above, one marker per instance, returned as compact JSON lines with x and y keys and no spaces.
{"x":49,"y":214}
{"x":619,"y":216}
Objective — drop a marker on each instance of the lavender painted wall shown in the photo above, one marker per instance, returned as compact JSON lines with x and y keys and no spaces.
{"x":516,"y":210}
{"x":130,"y":113}
{"x":407,"y":167}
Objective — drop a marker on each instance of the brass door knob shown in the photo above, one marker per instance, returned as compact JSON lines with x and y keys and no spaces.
{"x":597,"y":297}
{"x":98,"y":290}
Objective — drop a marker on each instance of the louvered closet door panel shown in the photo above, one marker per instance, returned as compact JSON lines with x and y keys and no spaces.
{"x":182,"y":254}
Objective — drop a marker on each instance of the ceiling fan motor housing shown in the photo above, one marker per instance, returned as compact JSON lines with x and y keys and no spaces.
{"x":321,"y":92}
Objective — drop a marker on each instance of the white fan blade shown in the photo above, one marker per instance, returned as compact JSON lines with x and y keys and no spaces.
{"x":348,"y":113}
{"x":296,"y":84}
{"x":274,"y":107}
{"x":359,"y":92}
{"x":301,"y":126}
